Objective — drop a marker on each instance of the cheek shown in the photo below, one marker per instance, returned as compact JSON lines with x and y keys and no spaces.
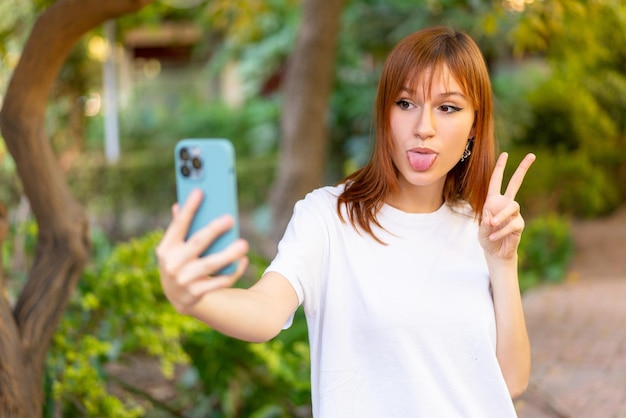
{"x":395,"y":124}
{"x":463,"y":129}
{"x":457,"y":139}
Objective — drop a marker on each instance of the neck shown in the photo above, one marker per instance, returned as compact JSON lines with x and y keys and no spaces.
{"x":417,"y":199}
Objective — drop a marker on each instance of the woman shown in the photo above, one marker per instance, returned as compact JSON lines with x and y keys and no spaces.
{"x":407,"y":270}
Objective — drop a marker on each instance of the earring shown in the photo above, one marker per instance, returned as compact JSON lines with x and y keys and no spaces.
{"x":468,"y":151}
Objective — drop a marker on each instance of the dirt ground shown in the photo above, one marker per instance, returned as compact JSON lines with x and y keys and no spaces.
{"x":600,"y":247}
{"x":576,"y":330}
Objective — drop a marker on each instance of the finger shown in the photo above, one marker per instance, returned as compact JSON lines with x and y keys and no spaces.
{"x":200,"y":240}
{"x":213,"y":263}
{"x":513,"y":226}
{"x":194,"y":291}
{"x":182,"y":218}
{"x":241,"y":266}
{"x":495,"y":183}
{"x":197,"y":289}
{"x":518,"y":177}
{"x":172,"y":256}
{"x":223,"y":281}
{"x":510,"y":210}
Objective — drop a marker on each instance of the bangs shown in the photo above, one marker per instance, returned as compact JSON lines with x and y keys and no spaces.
{"x":416,"y":66}
{"x":422,"y":79}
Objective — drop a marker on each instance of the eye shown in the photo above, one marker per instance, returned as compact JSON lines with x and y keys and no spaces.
{"x":404,"y":104}
{"x":449,"y":108}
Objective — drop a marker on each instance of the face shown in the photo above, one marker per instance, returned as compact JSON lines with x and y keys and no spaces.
{"x":429,"y":133}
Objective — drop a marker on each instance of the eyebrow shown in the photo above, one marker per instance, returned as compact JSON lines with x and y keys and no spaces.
{"x":442,"y":95}
{"x":453,"y":93}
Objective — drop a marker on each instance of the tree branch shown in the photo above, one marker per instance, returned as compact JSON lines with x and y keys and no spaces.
{"x":63,"y":242}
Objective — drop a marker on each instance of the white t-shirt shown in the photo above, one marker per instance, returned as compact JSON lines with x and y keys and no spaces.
{"x":400,"y":330}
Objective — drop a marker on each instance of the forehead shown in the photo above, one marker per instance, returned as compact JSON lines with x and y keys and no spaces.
{"x":433,"y":80}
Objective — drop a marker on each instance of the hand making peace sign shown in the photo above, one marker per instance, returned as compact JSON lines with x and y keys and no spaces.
{"x":502,"y":224}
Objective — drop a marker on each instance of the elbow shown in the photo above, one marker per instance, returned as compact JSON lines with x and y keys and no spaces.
{"x":516,"y":373}
{"x":256,"y":335}
{"x":518,"y":383}
{"x":516,"y":389}
{"x":260,"y":338}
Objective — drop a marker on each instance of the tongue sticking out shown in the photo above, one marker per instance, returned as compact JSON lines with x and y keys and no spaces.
{"x":421,"y":161}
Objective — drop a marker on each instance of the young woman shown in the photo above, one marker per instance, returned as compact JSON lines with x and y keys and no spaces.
{"x":407,"y":270}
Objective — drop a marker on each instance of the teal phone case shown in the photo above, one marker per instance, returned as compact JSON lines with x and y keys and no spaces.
{"x":209,"y":164}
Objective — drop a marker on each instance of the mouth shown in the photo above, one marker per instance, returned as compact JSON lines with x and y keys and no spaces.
{"x":421,"y":159}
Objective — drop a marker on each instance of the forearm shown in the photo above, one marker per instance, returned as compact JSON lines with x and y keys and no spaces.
{"x":256,"y":314}
{"x":513,"y":345}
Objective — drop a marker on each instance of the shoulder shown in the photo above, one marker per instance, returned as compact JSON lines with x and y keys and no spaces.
{"x":324,"y":197}
{"x":318,"y":208}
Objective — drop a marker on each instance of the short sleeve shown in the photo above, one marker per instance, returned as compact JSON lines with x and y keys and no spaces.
{"x":301,"y":251}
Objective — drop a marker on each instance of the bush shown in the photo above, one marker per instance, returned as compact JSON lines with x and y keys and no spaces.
{"x":119,"y":313}
{"x":269,"y":380}
{"x":569,"y":125}
{"x":565,"y":182}
{"x":118,"y":310}
{"x":545,"y":251}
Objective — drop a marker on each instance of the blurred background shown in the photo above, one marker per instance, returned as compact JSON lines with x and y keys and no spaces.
{"x":178,"y":69}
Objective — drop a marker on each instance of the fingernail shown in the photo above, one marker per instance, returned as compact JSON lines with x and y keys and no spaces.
{"x":223,"y":220}
{"x":242,"y":244}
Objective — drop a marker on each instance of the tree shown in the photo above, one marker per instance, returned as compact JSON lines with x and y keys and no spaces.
{"x":304,"y":120}
{"x":63,"y":243}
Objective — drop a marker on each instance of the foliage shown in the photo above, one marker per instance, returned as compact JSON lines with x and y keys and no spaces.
{"x":11,"y":187}
{"x":573,"y":174}
{"x":253,"y":380}
{"x":565,"y":182}
{"x":16,"y":17}
{"x":158,"y":124}
{"x":118,"y":310}
{"x":116,"y":194}
{"x":576,"y":112}
{"x":545,"y":250}
{"x":149,"y":129}
{"x":259,"y":36}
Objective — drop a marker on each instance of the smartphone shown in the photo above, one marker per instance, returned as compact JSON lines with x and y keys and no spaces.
{"x":209,"y":164}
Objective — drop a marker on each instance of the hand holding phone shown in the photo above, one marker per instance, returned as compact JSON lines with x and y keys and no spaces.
{"x":209,"y":165}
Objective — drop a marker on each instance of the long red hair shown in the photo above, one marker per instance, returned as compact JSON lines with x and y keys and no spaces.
{"x":367,"y":188}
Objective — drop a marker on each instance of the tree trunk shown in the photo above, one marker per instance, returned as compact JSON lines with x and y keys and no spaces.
{"x":63,"y":242}
{"x":304,"y":120}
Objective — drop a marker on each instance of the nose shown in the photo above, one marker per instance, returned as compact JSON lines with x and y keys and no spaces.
{"x":424,"y":127}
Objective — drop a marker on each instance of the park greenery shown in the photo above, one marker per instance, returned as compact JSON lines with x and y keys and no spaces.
{"x":558,"y":72}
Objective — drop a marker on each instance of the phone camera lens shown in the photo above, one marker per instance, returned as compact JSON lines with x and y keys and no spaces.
{"x":196,"y":163}
{"x":184,"y":154}
{"x":185,"y":171}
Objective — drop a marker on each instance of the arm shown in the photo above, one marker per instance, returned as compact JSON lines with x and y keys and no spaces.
{"x":512,"y":344}
{"x":500,"y":233}
{"x":255,"y":314}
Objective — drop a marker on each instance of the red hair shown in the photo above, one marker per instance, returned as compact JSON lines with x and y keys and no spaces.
{"x":428,"y":49}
